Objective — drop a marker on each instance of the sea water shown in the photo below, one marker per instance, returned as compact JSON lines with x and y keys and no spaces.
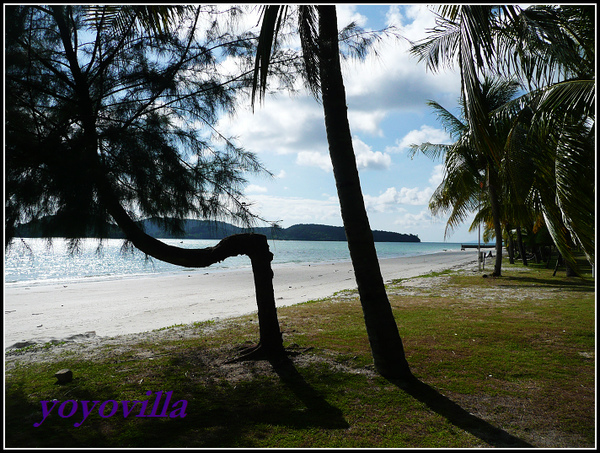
{"x":38,"y":261}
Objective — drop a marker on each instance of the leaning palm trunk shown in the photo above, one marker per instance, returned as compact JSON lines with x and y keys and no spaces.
{"x":386,"y":344}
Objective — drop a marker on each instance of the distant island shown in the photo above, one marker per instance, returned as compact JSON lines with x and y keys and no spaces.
{"x":206,"y":229}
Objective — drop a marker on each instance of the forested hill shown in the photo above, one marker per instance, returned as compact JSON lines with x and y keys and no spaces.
{"x":203,"y":229}
{"x":311,"y":232}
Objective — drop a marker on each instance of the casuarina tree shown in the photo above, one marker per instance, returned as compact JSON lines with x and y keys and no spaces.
{"x":110,"y":115}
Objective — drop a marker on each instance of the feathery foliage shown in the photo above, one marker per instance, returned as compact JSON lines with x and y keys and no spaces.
{"x":155,"y":94}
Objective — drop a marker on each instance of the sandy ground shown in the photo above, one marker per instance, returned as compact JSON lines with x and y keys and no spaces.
{"x":76,"y":311}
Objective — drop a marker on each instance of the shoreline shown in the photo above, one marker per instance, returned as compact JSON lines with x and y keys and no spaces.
{"x":39,"y":264}
{"x":39,"y":314}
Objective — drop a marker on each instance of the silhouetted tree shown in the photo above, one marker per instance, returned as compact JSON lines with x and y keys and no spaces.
{"x":318,"y":30}
{"x":466,"y":170}
{"x":110,"y":115}
{"x":552,"y":51}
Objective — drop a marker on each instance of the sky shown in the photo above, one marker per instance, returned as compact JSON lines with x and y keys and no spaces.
{"x":386,"y":97}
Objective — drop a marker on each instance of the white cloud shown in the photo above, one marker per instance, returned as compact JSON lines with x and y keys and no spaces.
{"x":375,"y":87}
{"x":437,"y":175}
{"x":412,"y":20}
{"x":281,"y":125}
{"x":314,"y":159}
{"x":409,"y":220}
{"x":366,"y":121}
{"x":292,"y":210}
{"x":392,"y":199}
{"x":346,"y":13}
{"x":426,"y":134}
{"x":366,"y":158}
{"x":394,"y":80}
{"x":253,"y":188}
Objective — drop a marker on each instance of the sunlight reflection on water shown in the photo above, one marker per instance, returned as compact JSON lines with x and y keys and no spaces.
{"x":30,"y":261}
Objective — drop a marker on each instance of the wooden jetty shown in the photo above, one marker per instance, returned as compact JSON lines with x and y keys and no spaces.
{"x":474,"y":246}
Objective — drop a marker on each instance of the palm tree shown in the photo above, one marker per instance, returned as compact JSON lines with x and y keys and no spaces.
{"x":552,"y":50}
{"x":464,"y":34}
{"x":467,"y":170}
{"x":317,"y":26}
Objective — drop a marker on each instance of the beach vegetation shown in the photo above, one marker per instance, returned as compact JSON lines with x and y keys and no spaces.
{"x":469,"y":172}
{"x":208,"y":322}
{"x":91,"y":140}
{"x":168,"y":327}
{"x":506,"y":362}
{"x":151,"y":118}
{"x":538,"y":173}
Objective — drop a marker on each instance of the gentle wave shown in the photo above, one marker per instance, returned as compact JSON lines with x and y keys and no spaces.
{"x":35,"y":261}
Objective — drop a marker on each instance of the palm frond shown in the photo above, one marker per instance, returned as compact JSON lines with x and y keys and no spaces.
{"x":272,"y":18}
{"x":476,"y":33}
{"x":544,"y":44}
{"x":156,"y":18}
{"x":309,"y":39}
{"x":575,"y":189}
{"x":457,"y":194}
{"x":453,"y":125}
{"x":432,"y":150}
{"x":572,"y":97}
{"x":439,"y":49}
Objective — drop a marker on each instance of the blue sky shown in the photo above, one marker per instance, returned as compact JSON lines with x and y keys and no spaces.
{"x":387,"y":108}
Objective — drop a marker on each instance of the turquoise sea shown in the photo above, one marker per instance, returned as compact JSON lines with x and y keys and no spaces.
{"x":35,"y":261}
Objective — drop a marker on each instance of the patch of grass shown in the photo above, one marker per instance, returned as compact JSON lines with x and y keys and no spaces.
{"x":501,"y":361}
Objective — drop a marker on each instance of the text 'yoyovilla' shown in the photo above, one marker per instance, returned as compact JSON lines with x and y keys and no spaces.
{"x":109,"y":408}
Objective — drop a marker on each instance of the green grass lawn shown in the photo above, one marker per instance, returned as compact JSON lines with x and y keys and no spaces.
{"x":504,"y":361}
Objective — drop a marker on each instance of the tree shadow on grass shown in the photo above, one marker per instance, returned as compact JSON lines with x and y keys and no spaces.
{"x":575,"y":284}
{"x":319,"y":411}
{"x":219,"y":414}
{"x":458,"y":416}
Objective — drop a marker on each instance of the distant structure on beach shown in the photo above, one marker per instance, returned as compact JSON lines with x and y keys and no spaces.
{"x":205,"y":229}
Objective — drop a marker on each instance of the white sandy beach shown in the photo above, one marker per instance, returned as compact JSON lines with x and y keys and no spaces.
{"x":42,"y":313}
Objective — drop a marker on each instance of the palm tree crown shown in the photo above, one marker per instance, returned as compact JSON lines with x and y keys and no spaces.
{"x":551,"y":51}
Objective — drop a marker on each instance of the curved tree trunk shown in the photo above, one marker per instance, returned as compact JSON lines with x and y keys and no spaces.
{"x":254,"y":246}
{"x":384,"y":339}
